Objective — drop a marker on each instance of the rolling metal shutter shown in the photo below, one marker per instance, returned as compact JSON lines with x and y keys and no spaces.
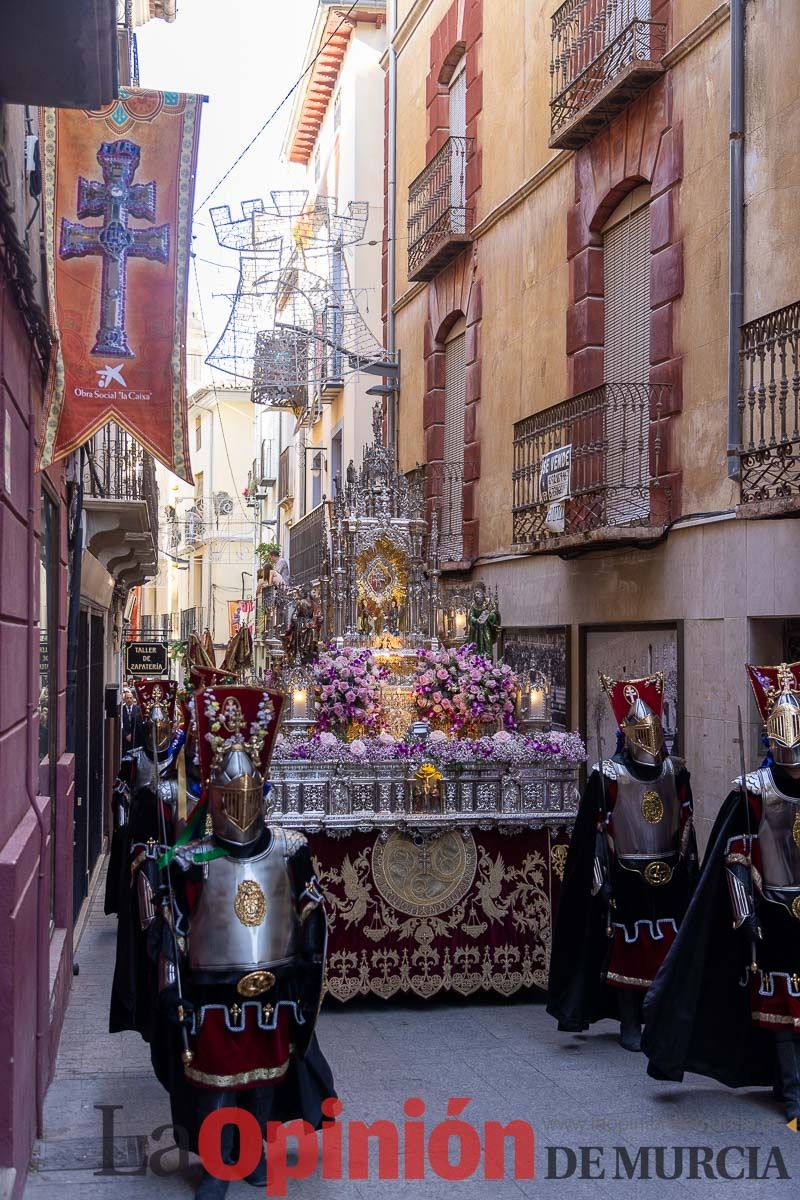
{"x":626,"y":267}
{"x":455,"y":399}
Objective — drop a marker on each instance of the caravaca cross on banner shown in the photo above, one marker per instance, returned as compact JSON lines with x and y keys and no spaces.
{"x":117,"y":285}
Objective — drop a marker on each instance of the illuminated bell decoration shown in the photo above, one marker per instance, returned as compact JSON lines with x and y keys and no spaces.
{"x":427,"y":791}
{"x":300,"y":696}
{"x":534,"y":701}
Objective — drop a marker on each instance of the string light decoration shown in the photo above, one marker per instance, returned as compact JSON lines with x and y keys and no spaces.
{"x":295,"y":329}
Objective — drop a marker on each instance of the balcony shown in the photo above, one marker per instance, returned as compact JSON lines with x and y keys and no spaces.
{"x":604,"y":53}
{"x":586,"y":472}
{"x":191,"y":622}
{"x":443,"y":485}
{"x":308,"y":546}
{"x":121,"y":506}
{"x":439,"y":220}
{"x":769,"y":414}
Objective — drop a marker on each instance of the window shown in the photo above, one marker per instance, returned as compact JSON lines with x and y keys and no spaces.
{"x":48,"y":657}
{"x":316,"y":479}
{"x":336,"y":458}
{"x":457,"y":106}
{"x":198,"y":433}
{"x":626,"y":270}
{"x":337,"y":112}
{"x":452,"y":482}
{"x":317,"y":165}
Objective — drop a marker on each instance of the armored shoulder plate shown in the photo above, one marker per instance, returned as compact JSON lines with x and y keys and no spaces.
{"x":609,"y":768}
{"x":753,"y":782}
{"x":295,"y":840}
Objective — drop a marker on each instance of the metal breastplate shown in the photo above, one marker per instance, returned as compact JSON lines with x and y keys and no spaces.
{"x":246,"y":917}
{"x":145,"y":774}
{"x":779,"y":835}
{"x":646,"y":816}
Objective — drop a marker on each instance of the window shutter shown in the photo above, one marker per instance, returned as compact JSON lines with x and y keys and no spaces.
{"x":455,"y":399}
{"x":626,"y":268}
{"x":458,"y":105}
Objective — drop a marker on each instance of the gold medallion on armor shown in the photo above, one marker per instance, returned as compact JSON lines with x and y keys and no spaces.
{"x":250,"y":905}
{"x":652,"y":807}
{"x":658,"y":873}
{"x":796,"y":908}
{"x":256,"y":983}
{"x":796,"y":830}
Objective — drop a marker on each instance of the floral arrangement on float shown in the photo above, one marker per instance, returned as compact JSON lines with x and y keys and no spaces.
{"x":347,"y":683}
{"x":463,"y":691}
{"x":508,"y":749}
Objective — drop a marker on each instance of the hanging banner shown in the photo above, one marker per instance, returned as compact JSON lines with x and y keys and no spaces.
{"x":117,"y":196}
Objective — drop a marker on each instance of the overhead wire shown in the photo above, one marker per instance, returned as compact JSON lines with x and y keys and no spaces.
{"x":275,"y":111}
{"x":214,"y":389}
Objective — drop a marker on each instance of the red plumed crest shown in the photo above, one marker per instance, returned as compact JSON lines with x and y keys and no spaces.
{"x":768,"y":683}
{"x":227,"y":715}
{"x":623,"y":694}
{"x":162,"y":692}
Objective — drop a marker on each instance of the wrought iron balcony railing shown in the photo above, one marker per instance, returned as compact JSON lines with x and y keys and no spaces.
{"x":603,"y":54}
{"x":443,"y":488}
{"x":604,"y":482}
{"x":769,"y":409}
{"x":117,"y":468}
{"x":191,"y":622}
{"x":308,"y":546}
{"x":439,"y":219}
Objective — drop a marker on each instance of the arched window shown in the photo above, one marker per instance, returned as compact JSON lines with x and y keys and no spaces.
{"x":455,"y":402}
{"x":626,"y":273}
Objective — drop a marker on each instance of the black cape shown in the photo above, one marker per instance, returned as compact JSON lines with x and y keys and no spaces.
{"x":697,"y":1013}
{"x":577,"y":994}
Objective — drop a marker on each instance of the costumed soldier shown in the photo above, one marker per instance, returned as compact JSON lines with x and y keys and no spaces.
{"x":629,"y":873}
{"x":149,"y":789}
{"x":240,"y":968}
{"x":727,"y":1001}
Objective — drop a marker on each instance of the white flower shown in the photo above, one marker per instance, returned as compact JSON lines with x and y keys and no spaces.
{"x":502,"y":735}
{"x":357,"y":748}
{"x":438,"y":735}
{"x":328,"y":739}
{"x":385,"y":737}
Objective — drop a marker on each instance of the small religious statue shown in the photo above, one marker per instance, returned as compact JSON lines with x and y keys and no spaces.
{"x":363,"y":617}
{"x":391,"y":617}
{"x":301,"y":635}
{"x":483,"y":621}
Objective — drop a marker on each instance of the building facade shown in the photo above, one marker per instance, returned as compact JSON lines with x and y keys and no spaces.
{"x":625,"y":472}
{"x":336,"y":136}
{"x":62,"y":583}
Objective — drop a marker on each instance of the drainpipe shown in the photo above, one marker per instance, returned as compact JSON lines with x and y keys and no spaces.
{"x":736,"y":247}
{"x":31,"y":758}
{"x":391,"y":217}
{"x":74,"y":611}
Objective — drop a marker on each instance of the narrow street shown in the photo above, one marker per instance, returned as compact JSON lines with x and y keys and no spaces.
{"x":574,"y":1091}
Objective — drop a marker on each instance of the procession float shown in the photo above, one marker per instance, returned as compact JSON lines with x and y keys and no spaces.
{"x":436,"y":797}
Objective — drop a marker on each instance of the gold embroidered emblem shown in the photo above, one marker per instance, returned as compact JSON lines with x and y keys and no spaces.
{"x":255,"y":983}
{"x":558,"y":859}
{"x":652,"y":807}
{"x":796,"y":830}
{"x":424,"y":880}
{"x":658,"y":873}
{"x":796,"y":908}
{"x":250,"y":905}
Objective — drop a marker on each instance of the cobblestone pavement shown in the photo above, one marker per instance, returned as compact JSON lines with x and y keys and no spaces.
{"x":507,"y":1057}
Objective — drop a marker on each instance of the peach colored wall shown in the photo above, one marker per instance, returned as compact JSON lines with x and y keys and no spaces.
{"x":522,"y":259}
